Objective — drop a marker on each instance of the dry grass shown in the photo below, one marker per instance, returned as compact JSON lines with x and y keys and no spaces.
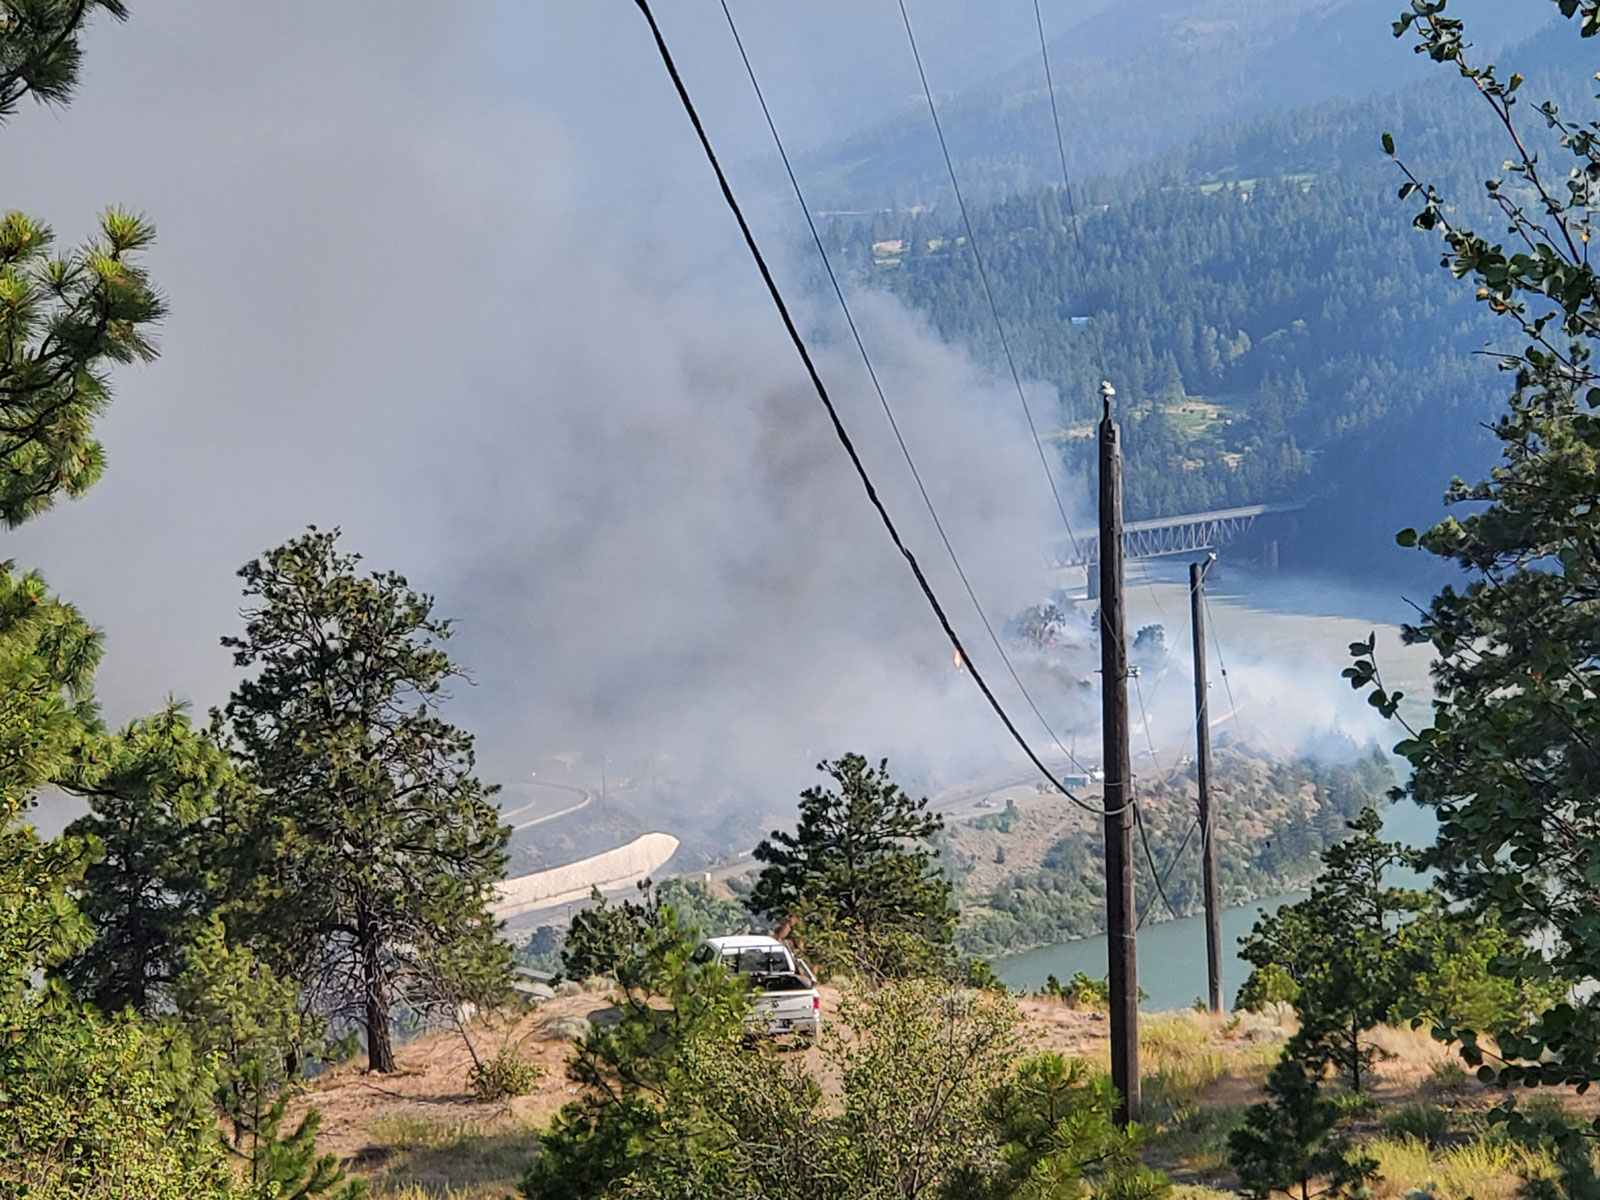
{"x":1180,"y":1057}
{"x":1200,"y":1074}
{"x":1194,"y":1191}
{"x":410,"y":1158}
{"x":1484,"y":1169}
{"x":418,"y":1135}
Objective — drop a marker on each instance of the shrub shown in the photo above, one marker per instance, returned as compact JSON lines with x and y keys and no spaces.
{"x":1425,"y":1122}
{"x":505,"y":1075}
{"x":1354,"y":1104}
{"x":980,"y":975}
{"x":1447,"y":1075}
{"x":1080,"y":992}
{"x":1265,"y":987}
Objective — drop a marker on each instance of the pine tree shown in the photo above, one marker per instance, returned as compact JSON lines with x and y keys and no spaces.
{"x":153,"y":792}
{"x":248,"y":1022}
{"x":1346,"y":949}
{"x":604,"y":936}
{"x":382,"y":847}
{"x":89,"y":1107}
{"x":1290,"y":1141}
{"x":858,"y":873}
{"x":62,"y":321}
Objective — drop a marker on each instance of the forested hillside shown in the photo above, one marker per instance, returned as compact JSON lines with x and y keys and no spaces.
{"x":1128,"y":89}
{"x":1274,"y":324}
{"x":1034,"y":873}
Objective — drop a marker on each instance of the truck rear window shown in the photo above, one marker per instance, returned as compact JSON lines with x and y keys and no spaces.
{"x":756,"y":962}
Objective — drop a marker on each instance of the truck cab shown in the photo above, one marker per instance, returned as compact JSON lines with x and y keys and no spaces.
{"x":785,"y":999}
{"x":748,"y":954}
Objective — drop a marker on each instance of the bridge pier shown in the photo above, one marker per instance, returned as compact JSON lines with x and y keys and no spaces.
{"x":1269,"y":554}
{"x":1094,"y":581}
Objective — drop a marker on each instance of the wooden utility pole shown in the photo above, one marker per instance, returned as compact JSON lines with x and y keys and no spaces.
{"x":1121,"y":921}
{"x":1202,"y":770}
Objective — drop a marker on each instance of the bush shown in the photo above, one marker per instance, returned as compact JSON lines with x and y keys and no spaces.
{"x":605,"y":936}
{"x":505,"y":1075}
{"x":1080,"y":992}
{"x":1265,"y":987}
{"x":702,"y":910}
{"x":979,"y":974}
{"x":1425,"y":1122}
{"x":1000,"y":822}
{"x":1354,"y":1104}
{"x":1447,"y":1075}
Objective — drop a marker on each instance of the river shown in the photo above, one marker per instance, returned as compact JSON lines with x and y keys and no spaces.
{"x":1284,"y":640}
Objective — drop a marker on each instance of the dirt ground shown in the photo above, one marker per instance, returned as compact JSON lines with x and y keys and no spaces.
{"x":360,"y":1110}
{"x":418,"y":1134}
{"x":431,"y":1083}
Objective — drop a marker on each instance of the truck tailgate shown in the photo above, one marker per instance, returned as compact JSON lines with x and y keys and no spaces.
{"x":785,"y":1004}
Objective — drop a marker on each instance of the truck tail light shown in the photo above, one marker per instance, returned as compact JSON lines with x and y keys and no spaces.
{"x":816,"y":1004}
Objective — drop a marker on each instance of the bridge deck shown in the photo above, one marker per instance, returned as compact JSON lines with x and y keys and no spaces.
{"x":1181,"y":534}
{"x":1221,"y":514}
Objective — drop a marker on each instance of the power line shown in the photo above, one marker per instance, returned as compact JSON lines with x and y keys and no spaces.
{"x":1233,"y":705}
{"x":983,"y":276}
{"x":1155,"y":872}
{"x":1138,"y":812}
{"x":833,"y":413}
{"x":1066,"y":187}
{"x":1166,"y":658}
{"x":1081,"y":259}
{"x":1161,"y":881}
{"x":1144,"y":719}
{"x":877,"y":386}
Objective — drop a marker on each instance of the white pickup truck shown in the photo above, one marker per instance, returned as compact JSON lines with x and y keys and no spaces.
{"x":786,"y":999}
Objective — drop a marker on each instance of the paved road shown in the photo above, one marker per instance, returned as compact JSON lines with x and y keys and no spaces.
{"x":585,"y":797}
{"x":960,"y":803}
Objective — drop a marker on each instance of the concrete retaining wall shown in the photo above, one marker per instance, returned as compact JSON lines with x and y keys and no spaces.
{"x":619,"y":868}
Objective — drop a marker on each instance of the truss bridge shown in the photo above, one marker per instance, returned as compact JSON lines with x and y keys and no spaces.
{"x":1188,"y":533}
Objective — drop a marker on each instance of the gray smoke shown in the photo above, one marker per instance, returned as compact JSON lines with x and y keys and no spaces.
{"x":456,"y":279}
{"x":396,"y":310}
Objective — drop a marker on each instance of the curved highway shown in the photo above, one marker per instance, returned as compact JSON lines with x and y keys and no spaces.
{"x":584,"y":794}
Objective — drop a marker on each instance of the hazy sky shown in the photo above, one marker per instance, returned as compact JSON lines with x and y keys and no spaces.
{"x":398,"y":307}
{"x":456,"y":279}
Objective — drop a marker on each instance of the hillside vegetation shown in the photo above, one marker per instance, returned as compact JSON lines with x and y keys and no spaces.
{"x":1034,"y":874}
{"x":423,"y":1137}
{"x":1274,"y":325}
{"x":1128,"y":90}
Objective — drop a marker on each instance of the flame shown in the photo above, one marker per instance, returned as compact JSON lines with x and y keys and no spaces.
{"x":957,"y":660}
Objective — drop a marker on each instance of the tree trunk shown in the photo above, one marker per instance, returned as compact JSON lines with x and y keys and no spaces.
{"x":1355,"y":1056}
{"x":380,"y":1048}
